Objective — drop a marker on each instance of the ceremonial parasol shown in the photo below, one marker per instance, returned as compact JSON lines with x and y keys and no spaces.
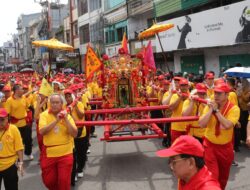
{"x":243,"y":72}
{"x":155,"y":30}
{"x":52,"y":44}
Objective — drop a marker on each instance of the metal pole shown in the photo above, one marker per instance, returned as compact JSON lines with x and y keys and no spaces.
{"x":163,"y":54}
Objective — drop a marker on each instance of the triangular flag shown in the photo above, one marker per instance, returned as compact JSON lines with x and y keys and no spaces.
{"x":45,"y":88}
{"x":125,"y":43}
{"x":93,"y":63}
{"x":149,"y":57}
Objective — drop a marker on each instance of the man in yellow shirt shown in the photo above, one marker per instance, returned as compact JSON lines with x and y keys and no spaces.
{"x":17,"y":108}
{"x":219,"y":118}
{"x":76,"y":110}
{"x":11,"y":149}
{"x":176,"y":103}
{"x":153,"y":92}
{"x":195,"y":108}
{"x":58,"y":130}
{"x":164,"y":96}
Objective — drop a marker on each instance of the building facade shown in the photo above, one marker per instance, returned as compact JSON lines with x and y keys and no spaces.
{"x":207,"y":34}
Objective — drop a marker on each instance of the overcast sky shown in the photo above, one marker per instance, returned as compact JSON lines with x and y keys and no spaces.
{"x":10,"y":10}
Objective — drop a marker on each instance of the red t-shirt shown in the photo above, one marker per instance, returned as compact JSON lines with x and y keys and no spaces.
{"x":202,"y":180}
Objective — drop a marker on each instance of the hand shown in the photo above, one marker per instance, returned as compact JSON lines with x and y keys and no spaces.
{"x":38,"y":99}
{"x":79,"y":94}
{"x":20,"y":168}
{"x":63,"y":114}
{"x":35,"y":89}
{"x":193,"y":97}
{"x":238,"y":125}
{"x":213,"y":105}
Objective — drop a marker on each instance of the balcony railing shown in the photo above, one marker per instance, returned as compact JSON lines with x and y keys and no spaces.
{"x":136,"y":7}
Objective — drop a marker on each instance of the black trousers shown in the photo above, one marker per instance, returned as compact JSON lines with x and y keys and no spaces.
{"x":157,"y":114}
{"x":92,"y":129}
{"x":10,"y":178}
{"x":80,"y":156}
{"x":26,"y":134}
{"x":167,"y":140}
{"x":243,"y":121}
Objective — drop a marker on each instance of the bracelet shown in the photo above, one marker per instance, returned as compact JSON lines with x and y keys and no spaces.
{"x":20,"y":163}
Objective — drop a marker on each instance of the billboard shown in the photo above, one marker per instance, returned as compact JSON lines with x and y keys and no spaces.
{"x":221,"y":26}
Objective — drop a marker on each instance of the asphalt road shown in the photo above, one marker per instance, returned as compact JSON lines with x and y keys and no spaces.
{"x":130,"y":165}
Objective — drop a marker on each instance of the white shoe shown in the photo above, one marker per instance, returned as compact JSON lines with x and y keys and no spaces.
{"x":88,"y":151}
{"x":76,"y":179}
{"x":28,"y":157}
{"x":80,"y":174}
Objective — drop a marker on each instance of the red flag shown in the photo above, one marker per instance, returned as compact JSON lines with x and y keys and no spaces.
{"x":125,"y":43}
{"x":149,"y":57}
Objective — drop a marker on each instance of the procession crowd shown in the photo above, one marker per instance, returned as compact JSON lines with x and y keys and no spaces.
{"x":201,"y":152}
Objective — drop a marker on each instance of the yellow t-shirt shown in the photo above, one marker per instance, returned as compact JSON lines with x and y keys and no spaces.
{"x":165,"y":95}
{"x":210,"y":93}
{"x":58,"y":141}
{"x":232,"y":97}
{"x":226,"y":135}
{"x":11,"y":143}
{"x":149,"y":90}
{"x":177,"y":126}
{"x":85,"y":101}
{"x":99,"y":92}
{"x":197,"y":132}
{"x":76,"y":118}
{"x":17,"y":108}
{"x":29,"y":100}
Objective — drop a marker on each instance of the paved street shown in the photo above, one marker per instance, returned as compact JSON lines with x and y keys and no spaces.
{"x":131,"y":165}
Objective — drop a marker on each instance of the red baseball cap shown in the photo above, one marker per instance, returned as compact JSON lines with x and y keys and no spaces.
{"x":68,"y":91}
{"x":25,"y":87}
{"x":166,"y":82}
{"x":178,"y":78}
{"x":219,"y":81}
{"x":6,"y":88}
{"x":185,"y":144}
{"x":183,"y":81}
{"x":200,"y":87}
{"x":3,"y":112}
{"x":209,"y":76}
{"x":222,"y":87}
{"x":161,"y":77}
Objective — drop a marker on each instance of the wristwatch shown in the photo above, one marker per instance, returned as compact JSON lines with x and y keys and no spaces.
{"x":216,"y":110}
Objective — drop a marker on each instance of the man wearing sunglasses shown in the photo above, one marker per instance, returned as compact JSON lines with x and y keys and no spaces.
{"x":187,"y":163}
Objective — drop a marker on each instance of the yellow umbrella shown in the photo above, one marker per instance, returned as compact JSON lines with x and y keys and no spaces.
{"x":155,"y":29}
{"x":53,"y":44}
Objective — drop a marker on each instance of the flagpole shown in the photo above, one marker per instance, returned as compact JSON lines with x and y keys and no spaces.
{"x":163,"y":54}
{"x":50,"y":63}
